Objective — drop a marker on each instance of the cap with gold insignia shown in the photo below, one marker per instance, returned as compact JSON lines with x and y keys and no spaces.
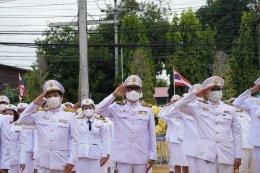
{"x":4,"y":99}
{"x":86,"y":102}
{"x":195,"y":87}
{"x":213,"y":81}
{"x":257,"y":81}
{"x":175,"y":98}
{"x":11,"y":107}
{"x":133,"y":80}
{"x":53,"y":85}
{"x":22,"y":105}
{"x":69,"y":104}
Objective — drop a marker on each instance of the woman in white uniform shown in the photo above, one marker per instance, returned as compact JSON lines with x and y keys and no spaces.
{"x":29,"y":132}
{"x":17,"y":144}
{"x":92,"y":142}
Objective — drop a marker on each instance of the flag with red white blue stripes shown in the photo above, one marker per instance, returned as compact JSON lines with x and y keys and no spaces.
{"x":179,"y":80}
{"x":22,"y":89}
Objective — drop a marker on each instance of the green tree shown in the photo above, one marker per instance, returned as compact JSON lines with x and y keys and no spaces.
{"x":225,"y":16}
{"x":245,"y":67}
{"x":192,"y":49}
{"x":12,"y":94}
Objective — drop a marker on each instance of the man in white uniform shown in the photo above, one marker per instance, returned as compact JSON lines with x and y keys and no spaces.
{"x":252,"y":107}
{"x":5,"y":140}
{"x":134,"y":142}
{"x":57,"y":131}
{"x":219,"y":142}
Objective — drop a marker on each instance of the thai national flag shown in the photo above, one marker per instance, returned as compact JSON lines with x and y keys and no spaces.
{"x":21,"y":87}
{"x":179,"y":80}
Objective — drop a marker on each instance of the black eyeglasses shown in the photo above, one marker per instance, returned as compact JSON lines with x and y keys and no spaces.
{"x":133,"y":88}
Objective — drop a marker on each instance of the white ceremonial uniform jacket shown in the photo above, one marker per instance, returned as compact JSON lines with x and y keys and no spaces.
{"x":219,"y":129}
{"x":134,"y":140}
{"x":92,"y":144}
{"x":245,"y":122}
{"x":5,"y":140}
{"x":252,"y":107}
{"x":190,"y":132}
{"x":17,"y":145}
{"x":110,"y":134}
{"x":174,"y":128}
{"x":58,"y":135}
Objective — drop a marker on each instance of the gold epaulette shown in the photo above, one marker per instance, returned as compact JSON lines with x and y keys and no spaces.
{"x":69,"y":110}
{"x":203,"y":101}
{"x":80,"y":117}
{"x":18,"y":124}
{"x":121,"y":102}
{"x":43,"y":109}
{"x":100,"y":118}
{"x":146,"y":104}
{"x":228,"y":103}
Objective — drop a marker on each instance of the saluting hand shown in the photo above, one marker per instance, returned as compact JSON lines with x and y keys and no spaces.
{"x":120,"y":91}
{"x":203,"y":92}
{"x":39,"y":99}
{"x":255,"y":89}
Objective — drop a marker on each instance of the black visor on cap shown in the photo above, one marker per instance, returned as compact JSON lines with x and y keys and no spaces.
{"x":216,"y":88}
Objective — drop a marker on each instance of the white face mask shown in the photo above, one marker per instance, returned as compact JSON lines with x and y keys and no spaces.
{"x":88,"y":112}
{"x":2,"y":107}
{"x":133,"y":96}
{"x":10,"y":117}
{"x":215,"y":96}
{"x":54,"y":102}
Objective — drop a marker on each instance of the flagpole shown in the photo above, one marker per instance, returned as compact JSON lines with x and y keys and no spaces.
{"x":173,"y":81}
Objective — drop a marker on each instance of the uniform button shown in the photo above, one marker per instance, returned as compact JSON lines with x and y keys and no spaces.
{"x":217,"y":142}
{"x":216,"y":123}
{"x":50,"y":150}
{"x":133,"y":132}
{"x":51,"y":140}
{"x":133,"y":123}
{"x":217,"y":133}
{"x":52,"y":130}
{"x":132,"y":140}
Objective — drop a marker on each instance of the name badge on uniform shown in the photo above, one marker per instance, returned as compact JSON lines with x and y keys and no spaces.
{"x":227,"y":112}
{"x":63,"y":121}
{"x":206,"y":109}
{"x":99,"y":126}
{"x":142,"y":112}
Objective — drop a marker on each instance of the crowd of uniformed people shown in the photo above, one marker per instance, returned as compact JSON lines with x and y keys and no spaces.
{"x":205,"y":134}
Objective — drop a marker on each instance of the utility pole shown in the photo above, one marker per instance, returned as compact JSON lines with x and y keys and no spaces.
{"x":83,"y":50}
{"x":116,"y":11}
{"x":258,"y":27}
{"x":116,"y":38}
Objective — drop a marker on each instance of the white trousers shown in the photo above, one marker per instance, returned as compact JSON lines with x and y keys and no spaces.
{"x":86,"y":165}
{"x":171,"y":156}
{"x":131,"y":168}
{"x":213,"y":167}
{"x":46,"y":170}
{"x":257,"y":158}
{"x":14,"y":169}
{"x":248,"y":162}
{"x":175,"y":154}
{"x":183,"y":157}
{"x":192,"y":163}
{"x":29,"y":164}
